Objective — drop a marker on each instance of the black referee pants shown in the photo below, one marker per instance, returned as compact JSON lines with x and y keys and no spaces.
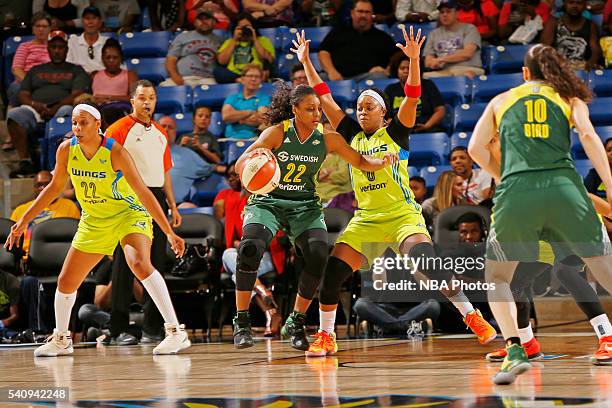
{"x":123,"y":280}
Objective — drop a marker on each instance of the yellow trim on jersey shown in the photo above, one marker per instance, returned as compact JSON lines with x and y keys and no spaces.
{"x":289,"y":122}
{"x":533,"y":88}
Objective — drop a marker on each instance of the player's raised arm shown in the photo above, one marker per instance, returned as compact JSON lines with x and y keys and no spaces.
{"x":478,"y":148}
{"x":412,"y":89}
{"x":269,"y":139}
{"x":122,"y":160}
{"x":336,"y":143}
{"x":46,"y":197}
{"x":334,"y":113}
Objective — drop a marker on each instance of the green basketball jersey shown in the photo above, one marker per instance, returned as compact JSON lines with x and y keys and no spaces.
{"x":299,"y":163}
{"x":101,"y":191}
{"x":534,"y":125}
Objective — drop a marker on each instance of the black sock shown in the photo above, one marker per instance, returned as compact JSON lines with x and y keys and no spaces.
{"x":513,"y":340}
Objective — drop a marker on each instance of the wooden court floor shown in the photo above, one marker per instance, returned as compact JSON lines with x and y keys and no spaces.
{"x":446,"y":371}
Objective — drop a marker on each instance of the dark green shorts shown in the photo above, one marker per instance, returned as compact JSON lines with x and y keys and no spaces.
{"x":551,"y":206}
{"x":294,"y":217}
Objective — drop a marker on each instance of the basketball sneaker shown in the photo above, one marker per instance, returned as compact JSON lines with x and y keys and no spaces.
{"x":515,"y":363}
{"x":176,"y":339}
{"x":324,"y":345}
{"x":481,"y":328}
{"x":58,"y":344}
{"x":294,"y":329}
{"x":603,"y":355}
{"x":242,"y":330}
{"x":532,"y":348}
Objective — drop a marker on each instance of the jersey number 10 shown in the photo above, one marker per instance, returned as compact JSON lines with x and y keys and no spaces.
{"x":536,"y":112}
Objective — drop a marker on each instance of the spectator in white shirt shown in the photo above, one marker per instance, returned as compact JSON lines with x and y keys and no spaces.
{"x":86,"y":49}
{"x":476,"y":182}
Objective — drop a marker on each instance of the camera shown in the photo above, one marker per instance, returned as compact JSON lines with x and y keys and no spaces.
{"x":247,"y":32}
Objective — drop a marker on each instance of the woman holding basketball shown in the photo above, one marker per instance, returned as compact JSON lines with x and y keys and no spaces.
{"x":117,"y":208}
{"x":388,"y":215}
{"x":296,"y":143}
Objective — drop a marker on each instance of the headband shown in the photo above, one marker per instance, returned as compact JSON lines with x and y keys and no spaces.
{"x":375,"y":95}
{"x":82,"y":107}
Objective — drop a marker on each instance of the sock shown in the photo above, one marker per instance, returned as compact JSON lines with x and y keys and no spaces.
{"x":157,"y":289}
{"x":601,"y":325}
{"x":327,"y":320}
{"x":526,"y":334}
{"x":462,"y":303}
{"x":513,"y":340}
{"x":63,"y":309}
{"x":594,"y":286}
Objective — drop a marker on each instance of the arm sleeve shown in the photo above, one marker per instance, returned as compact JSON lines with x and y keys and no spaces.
{"x":20,"y":56}
{"x":472,"y":36}
{"x":399,"y":133}
{"x":348,"y":128}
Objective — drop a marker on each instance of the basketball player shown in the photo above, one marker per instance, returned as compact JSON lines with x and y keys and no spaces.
{"x":388,"y":213}
{"x":534,"y":122}
{"x":110,"y":191}
{"x":298,"y":145}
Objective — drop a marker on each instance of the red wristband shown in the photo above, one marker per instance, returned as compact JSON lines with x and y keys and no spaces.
{"x":321,"y":89}
{"x":412,"y":91}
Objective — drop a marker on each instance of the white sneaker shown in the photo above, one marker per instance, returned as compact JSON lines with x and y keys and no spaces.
{"x":176,"y":340}
{"x":58,"y":344}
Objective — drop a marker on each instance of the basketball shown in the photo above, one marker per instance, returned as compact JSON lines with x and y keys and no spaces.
{"x":260,"y":174}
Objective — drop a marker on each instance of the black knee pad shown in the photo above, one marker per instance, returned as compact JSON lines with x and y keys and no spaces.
{"x":315,"y":261}
{"x":250,"y":252}
{"x":336,"y":272}
{"x":430,"y":264}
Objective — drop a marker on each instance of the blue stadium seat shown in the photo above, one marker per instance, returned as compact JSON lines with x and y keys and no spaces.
{"x":184,"y":123}
{"x":398,"y":35}
{"x":378,"y":83}
{"x":431,"y":174}
{"x":601,"y":82}
{"x":383,"y":27}
{"x":286,"y":61}
{"x":467,"y":115}
{"x":578,"y":153}
{"x":428,"y":149}
{"x":314,"y":34}
{"x":507,"y":59}
{"x":488,"y":86}
{"x":145,"y":18}
{"x":153,"y":69}
{"x":485,"y":56}
{"x":274,"y":35}
{"x":217,"y":127}
{"x":12,"y":43}
{"x":55,"y":131}
{"x":460,"y":139}
{"x":449,"y":118}
{"x":268,"y":88}
{"x":197,"y":210}
{"x":203,"y":192}
{"x":344,"y":92}
{"x":174,"y":99}
{"x":583,"y":167}
{"x":145,"y":44}
{"x":214,"y":95}
{"x":224,"y":34}
{"x":599,"y":111}
{"x":604,"y":132}
{"x":412,"y":171}
{"x":235,"y":149}
{"x":597,"y":19}
{"x":455,"y":89}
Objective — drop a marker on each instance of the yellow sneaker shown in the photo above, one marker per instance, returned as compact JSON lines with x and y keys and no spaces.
{"x":324,"y":345}
{"x":480,"y":327}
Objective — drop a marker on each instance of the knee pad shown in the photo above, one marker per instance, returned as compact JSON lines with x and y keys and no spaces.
{"x":431,"y":264}
{"x":573,"y":261}
{"x":250,"y":252}
{"x":315,"y":261}
{"x":336,"y":272}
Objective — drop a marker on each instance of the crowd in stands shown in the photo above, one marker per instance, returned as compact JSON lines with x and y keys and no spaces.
{"x":75,"y":54}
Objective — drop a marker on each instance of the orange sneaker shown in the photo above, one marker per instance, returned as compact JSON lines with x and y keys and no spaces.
{"x":603,"y":355}
{"x":480,"y":327}
{"x":324,"y":345}
{"x":532,"y":348}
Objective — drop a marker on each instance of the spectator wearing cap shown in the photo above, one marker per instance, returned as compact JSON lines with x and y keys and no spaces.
{"x":86,"y":49}
{"x":192,"y":55}
{"x":47,"y":91}
{"x":454,"y":47}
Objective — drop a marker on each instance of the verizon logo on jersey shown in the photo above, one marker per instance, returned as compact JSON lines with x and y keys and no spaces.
{"x":372,"y":187}
{"x":292,"y":187}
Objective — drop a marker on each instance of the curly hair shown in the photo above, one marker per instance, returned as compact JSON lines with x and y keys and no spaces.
{"x":546,"y":64}
{"x":283,"y":100}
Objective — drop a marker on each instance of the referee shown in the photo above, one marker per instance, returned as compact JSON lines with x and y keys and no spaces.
{"x":147,"y":143}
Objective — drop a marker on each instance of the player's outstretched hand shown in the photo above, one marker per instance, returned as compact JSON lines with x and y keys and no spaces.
{"x":412,"y":49}
{"x":390,"y":159}
{"x":302,"y":46}
{"x":177,"y":244}
{"x":17,"y":231}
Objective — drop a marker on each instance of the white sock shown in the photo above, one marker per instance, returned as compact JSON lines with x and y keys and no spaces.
{"x":327,"y":320}
{"x":526,"y":334}
{"x":63,"y":309}
{"x":601,"y":325}
{"x":594,"y":286}
{"x":157,"y":289}
{"x":462,"y":303}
